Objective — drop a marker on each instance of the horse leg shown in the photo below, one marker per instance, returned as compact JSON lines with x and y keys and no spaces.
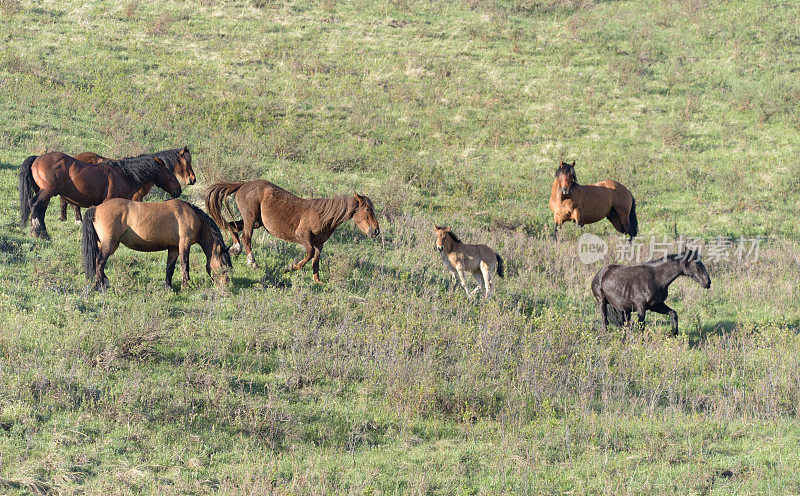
{"x":453,"y":278}
{"x":603,"y":302}
{"x":106,"y":250}
{"x":478,"y":279}
{"x":461,"y":279}
{"x":247,"y":236}
{"x":487,"y":279}
{"x":616,"y":221}
{"x":302,"y":262}
{"x":184,"y":254}
{"x":673,"y":315}
{"x":39,"y":204}
{"x":315,"y":264}
{"x":234,"y":227}
{"x":172,"y":259}
{"x":78,"y":217}
{"x":63,"y":213}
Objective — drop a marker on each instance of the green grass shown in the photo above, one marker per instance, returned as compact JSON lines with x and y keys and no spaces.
{"x":383,"y":381}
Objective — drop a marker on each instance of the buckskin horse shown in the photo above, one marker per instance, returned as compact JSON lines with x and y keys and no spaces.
{"x":179,"y":160}
{"x":306,"y":221}
{"x":480,"y":260}
{"x":83,"y":184}
{"x":587,"y":204}
{"x":621,"y":290}
{"x":172,"y":225}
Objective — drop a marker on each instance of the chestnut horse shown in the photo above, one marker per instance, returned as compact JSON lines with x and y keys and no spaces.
{"x":586,"y":204}
{"x":51,"y":174}
{"x":309,"y":222}
{"x":172,"y":225}
{"x":179,"y":160}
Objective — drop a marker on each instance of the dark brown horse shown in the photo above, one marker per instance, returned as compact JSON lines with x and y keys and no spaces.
{"x":309,"y":222}
{"x":172,"y":225}
{"x":178,"y":159}
{"x":621,"y":290}
{"x":591,"y":203}
{"x":51,"y":174}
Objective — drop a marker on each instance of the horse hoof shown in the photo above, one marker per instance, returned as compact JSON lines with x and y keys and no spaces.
{"x":78,"y":222}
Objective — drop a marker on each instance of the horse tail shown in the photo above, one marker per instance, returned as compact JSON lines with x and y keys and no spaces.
{"x":89,"y":244}
{"x":614,"y":315}
{"x":633,"y":222}
{"x":500,"y":267}
{"x":27,"y":190}
{"x":215,"y":198}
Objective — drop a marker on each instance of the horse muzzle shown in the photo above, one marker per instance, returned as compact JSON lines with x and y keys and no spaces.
{"x":191,"y":180}
{"x":564,"y":191}
{"x":375,"y":233}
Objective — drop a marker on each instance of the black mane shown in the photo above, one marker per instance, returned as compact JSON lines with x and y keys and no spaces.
{"x":170,"y":157}
{"x":567,"y":169}
{"x":141,"y":169}
{"x":454,"y":237}
{"x":209,"y":224}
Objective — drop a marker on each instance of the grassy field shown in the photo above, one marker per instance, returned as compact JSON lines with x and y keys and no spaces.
{"x":383,"y":380}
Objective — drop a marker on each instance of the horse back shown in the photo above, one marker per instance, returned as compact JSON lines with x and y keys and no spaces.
{"x":91,"y":158}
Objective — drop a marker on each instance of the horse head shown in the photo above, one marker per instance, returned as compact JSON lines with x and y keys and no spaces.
{"x":183,"y":166}
{"x":693,"y":267}
{"x":565,"y":177}
{"x":219,"y":264}
{"x":166,"y":180}
{"x":364,"y":217}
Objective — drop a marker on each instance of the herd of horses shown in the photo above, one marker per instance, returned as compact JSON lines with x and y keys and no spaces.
{"x":113,"y":191}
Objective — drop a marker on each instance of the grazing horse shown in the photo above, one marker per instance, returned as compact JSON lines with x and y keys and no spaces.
{"x":178,"y":160}
{"x":620,"y":290}
{"x":591,"y":203}
{"x":458,"y":257}
{"x":306,"y":221}
{"x":172,"y":225}
{"x":51,"y":174}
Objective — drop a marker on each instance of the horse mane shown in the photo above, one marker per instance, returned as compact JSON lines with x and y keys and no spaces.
{"x":675,"y":257}
{"x":141,"y":169}
{"x":567,"y":169}
{"x":209,"y":224}
{"x":454,"y":237}
{"x":170,"y":157}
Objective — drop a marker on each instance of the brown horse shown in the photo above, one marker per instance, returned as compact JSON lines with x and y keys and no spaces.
{"x":591,"y":203}
{"x":309,"y":222}
{"x":172,"y":225}
{"x":179,"y":160}
{"x":51,"y":174}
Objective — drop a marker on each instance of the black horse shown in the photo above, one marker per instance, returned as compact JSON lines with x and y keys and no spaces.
{"x":620,"y":290}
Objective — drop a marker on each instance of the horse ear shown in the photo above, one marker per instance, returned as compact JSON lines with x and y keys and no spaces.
{"x":573,"y":164}
{"x":185,"y":150}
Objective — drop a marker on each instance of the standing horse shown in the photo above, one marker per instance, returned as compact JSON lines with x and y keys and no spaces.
{"x":620,"y":290}
{"x":591,"y":203}
{"x":179,"y":160}
{"x":306,"y":221}
{"x":51,"y":174}
{"x":458,"y":257}
{"x":172,"y":225}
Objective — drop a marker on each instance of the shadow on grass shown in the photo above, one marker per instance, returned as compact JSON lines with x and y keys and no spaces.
{"x":7,"y":166}
{"x":718,"y":328}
